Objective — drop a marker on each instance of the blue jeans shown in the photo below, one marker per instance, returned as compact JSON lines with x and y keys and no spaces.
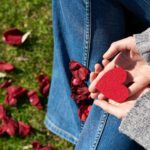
{"x":83,"y":31}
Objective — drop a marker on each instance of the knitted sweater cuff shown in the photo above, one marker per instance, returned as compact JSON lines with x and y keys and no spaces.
{"x":143,"y":44}
{"x":136,"y":124}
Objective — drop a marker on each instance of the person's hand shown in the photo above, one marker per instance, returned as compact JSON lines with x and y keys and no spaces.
{"x":120,"y":110}
{"x":129,"y":59}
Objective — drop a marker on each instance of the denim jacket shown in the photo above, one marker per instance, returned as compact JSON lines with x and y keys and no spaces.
{"x":83,"y":31}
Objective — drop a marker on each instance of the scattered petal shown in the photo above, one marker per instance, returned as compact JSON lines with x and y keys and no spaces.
{"x":74,"y":65}
{"x":79,"y":89}
{"x":34,"y":99}
{"x":13,"y":93}
{"x":2,"y":130}
{"x":10,"y":126}
{"x":2,"y":112}
{"x":24,"y":129}
{"x":84,"y":111}
{"x":15,"y":36}
{"x":16,"y":91}
{"x":44,"y":82}
{"x":83,"y":72}
{"x":37,"y":146}
{"x":6,"y":84}
{"x":10,"y":100}
{"x":4,"y":66}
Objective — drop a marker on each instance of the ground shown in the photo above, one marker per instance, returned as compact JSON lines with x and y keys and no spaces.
{"x":30,"y":59}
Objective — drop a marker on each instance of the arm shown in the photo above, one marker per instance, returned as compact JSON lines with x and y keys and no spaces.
{"x":136,"y":124}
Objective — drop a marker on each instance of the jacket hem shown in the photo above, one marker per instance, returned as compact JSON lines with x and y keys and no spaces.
{"x":60,"y":132}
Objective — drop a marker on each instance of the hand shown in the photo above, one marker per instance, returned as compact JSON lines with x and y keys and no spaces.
{"x":120,"y":110}
{"x":129,"y":59}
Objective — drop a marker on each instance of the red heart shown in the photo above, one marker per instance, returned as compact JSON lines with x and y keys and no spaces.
{"x":112,"y":85}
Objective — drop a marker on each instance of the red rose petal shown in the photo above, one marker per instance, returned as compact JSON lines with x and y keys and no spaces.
{"x":14,"y":36}
{"x":24,"y":129}
{"x":45,"y":90}
{"x":10,"y":126}
{"x":80,"y":92}
{"x":74,"y":65}
{"x":9,"y":100}
{"x":6,"y":84}
{"x":37,"y":146}
{"x":4,"y":66}
{"x":84,"y":111}
{"x":2,"y":112}
{"x":43,"y":78}
{"x":44,"y":82}
{"x":76,"y":81}
{"x":83,"y":72}
{"x":83,"y":90}
{"x":34,"y":99}
{"x":16,"y":91}
{"x":2,"y":130}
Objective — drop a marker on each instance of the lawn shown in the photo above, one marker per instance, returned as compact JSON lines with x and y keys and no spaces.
{"x":30,"y":59}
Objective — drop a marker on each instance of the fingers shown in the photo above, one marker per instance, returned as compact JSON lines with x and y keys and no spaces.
{"x":116,"y":47}
{"x":101,"y":96}
{"x":113,"y":102}
{"x":135,"y":88}
{"x":98,"y":68}
{"x":105,"y":62}
{"x":93,"y":75}
{"x":107,"y":68}
{"x":94,"y":95}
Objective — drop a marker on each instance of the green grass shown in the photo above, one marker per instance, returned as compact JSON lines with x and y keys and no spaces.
{"x":30,"y":59}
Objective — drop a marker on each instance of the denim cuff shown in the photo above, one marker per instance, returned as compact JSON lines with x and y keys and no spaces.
{"x":136,"y":124}
{"x":143,"y":44}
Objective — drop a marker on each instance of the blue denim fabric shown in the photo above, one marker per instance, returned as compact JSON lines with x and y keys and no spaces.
{"x":83,"y":31}
{"x":100,"y":132}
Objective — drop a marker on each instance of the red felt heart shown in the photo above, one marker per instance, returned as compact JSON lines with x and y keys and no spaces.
{"x":112,"y":85}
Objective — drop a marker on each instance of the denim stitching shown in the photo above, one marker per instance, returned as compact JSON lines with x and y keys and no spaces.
{"x":60,"y":131}
{"x":82,"y":125}
{"x":87,"y":36}
{"x":100,"y":130}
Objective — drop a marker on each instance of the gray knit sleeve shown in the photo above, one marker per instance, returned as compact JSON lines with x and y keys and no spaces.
{"x":143,"y":44}
{"x":136,"y":124}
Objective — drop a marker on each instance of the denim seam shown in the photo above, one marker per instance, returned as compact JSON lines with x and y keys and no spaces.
{"x":87,"y":33}
{"x":50,"y":125}
{"x":87,"y":37}
{"x":100,"y":129}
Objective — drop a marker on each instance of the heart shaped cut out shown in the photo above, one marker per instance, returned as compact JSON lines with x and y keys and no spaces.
{"x":112,"y":85}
